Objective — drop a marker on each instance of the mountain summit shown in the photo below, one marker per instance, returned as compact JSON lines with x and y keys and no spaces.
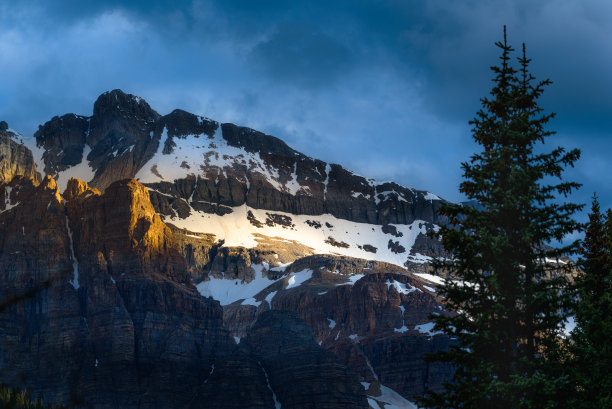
{"x":203,"y":175}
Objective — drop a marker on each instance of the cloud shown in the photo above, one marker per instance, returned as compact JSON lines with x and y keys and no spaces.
{"x":301,"y":54}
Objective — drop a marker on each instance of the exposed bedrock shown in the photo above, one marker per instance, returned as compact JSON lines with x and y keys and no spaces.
{"x":371,"y":325}
{"x":280,"y":362}
{"x":99,"y":306}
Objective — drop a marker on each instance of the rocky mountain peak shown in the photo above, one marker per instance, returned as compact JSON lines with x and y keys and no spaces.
{"x":3,"y":126}
{"x":113,"y":144}
{"x":76,"y":188}
{"x":117,"y":102}
{"x":48,"y":183}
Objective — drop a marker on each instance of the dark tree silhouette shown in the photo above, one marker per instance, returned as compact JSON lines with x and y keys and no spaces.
{"x":506,"y":289}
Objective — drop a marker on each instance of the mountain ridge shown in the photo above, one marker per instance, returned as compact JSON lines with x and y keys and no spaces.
{"x":194,"y":166}
{"x":239,"y":233}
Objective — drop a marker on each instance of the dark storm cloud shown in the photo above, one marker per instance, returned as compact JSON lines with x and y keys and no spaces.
{"x":399,"y":80}
{"x":299,"y":53}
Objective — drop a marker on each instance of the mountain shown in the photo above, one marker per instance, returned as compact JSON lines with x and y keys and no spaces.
{"x":160,"y":256}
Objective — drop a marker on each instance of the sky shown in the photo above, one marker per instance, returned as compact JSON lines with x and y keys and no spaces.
{"x":386,"y":88}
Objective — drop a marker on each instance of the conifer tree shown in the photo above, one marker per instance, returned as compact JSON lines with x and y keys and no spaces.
{"x":590,"y":343}
{"x":11,"y":399}
{"x":507,"y":292}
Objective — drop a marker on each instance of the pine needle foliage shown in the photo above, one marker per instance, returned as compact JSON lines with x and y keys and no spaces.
{"x":590,"y":343}
{"x":11,"y":399}
{"x":507,"y":289}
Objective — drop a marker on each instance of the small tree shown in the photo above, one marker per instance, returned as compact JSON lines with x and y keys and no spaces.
{"x":10,"y":399}
{"x":591,"y":360}
{"x":508,"y":296}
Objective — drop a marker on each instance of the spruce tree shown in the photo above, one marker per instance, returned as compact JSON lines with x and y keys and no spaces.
{"x":505,"y":285}
{"x":590,"y":346}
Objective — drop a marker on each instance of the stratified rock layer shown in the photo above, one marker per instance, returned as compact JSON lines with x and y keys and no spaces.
{"x":98,"y":307}
{"x":371,"y":325}
{"x":280,"y":363}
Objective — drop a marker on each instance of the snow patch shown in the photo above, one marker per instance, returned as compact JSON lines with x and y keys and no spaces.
{"x":373,"y":404}
{"x":37,"y":152}
{"x":212,"y":369}
{"x":228,"y":291}
{"x":326,"y":182}
{"x":82,"y":171}
{"x":198,"y":152}
{"x":431,"y":196}
{"x":7,"y":199}
{"x":269,"y":297}
{"x":236,"y":230}
{"x":419,"y":258}
{"x":390,"y":399}
{"x":277,"y":404}
{"x":298,"y":278}
{"x":75,"y":263}
{"x":427,"y":328}
{"x":352,"y":279}
{"x":332,"y":323}
{"x":430,"y":277}
{"x":401,"y":287}
{"x":251,"y":301}
{"x":403,"y":328}
{"x":384,"y":196}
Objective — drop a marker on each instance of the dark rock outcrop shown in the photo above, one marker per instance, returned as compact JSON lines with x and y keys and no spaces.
{"x":64,"y":142}
{"x":315,"y":378}
{"x":122,"y":135}
{"x":430,"y":247}
{"x":237,"y":382}
{"x":284,"y":364}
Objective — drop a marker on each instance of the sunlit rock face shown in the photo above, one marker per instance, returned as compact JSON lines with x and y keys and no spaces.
{"x":98,"y":307}
{"x":15,"y":158}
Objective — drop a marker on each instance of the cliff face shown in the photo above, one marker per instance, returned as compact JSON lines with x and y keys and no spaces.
{"x":373,"y":316}
{"x":15,"y":158}
{"x":98,"y":306}
{"x":99,"y":310}
{"x":279,"y":364}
